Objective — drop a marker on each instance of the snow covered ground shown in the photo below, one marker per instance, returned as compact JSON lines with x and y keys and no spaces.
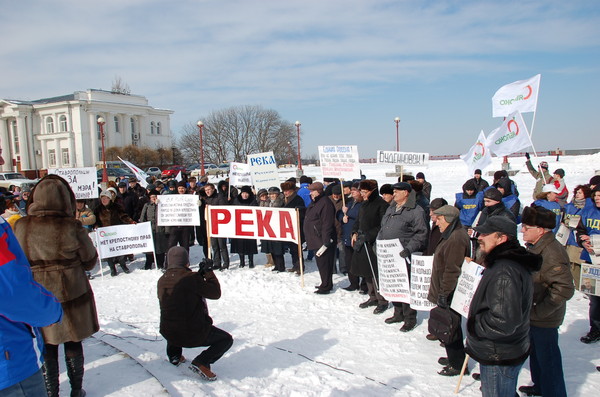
{"x":292,"y":342}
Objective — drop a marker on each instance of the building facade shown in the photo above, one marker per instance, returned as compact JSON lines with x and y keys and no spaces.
{"x":62,"y":132}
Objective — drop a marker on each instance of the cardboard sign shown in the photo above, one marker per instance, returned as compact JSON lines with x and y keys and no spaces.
{"x":239,"y":174}
{"x":394,"y":282}
{"x":263,"y":169}
{"x":402,"y":158}
{"x":120,"y":240}
{"x":236,"y":221}
{"x":178,"y":210}
{"x":83,"y":181}
{"x":339,"y":162}
{"x":590,"y":279}
{"x":469,"y":279}
{"x":420,"y":278}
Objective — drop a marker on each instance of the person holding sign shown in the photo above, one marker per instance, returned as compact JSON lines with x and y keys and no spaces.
{"x":498,"y":322}
{"x":571,"y":216}
{"x":448,"y":258}
{"x":404,"y":220}
{"x":553,"y":287}
{"x":320,"y":234}
{"x":589,"y":225}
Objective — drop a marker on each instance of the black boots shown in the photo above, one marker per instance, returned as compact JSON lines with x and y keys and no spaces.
{"x":113,"y":269}
{"x":251,"y":261}
{"x":242,"y":260}
{"x":75,"y":373}
{"x":50,"y":371}
{"x":398,"y":316}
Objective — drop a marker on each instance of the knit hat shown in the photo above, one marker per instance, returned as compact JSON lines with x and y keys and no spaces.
{"x":538,"y":216}
{"x":105,"y":193}
{"x":477,"y":172}
{"x":402,"y":186}
{"x":560,"y":172}
{"x":493,"y":194}
{"x":544,"y":165}
{"x":595,"y":180}
{"x":261,"y":192}
{"x":172,"y":183}
{"x":469,"y":185}
{"x":318,"y":186}
{"x":386,"y":189}
{"x":337,"y":190}
{"x":498,"y":224}
{"x":420,"y":175}
{"x":112,"y":189}
{"x":449,"y":212}
{"x":177,"y":257}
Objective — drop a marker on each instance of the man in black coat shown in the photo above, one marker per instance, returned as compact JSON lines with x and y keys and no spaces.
{"x":184,"y":318}
{"x":292,"y":200}
{"x":320,"y":234}
{"x":498,"y":321}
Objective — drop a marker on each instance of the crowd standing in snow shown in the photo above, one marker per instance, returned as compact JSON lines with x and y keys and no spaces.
{"x":515,"y":313}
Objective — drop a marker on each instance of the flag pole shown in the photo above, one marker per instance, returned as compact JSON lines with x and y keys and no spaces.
{"x":537,"y":94}
{"x":300,"y":254}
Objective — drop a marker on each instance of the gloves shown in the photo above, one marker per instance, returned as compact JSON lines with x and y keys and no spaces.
{"x":404,"y":253}
{"x":443,"y":301}
{"x":527,"y":156}
{"x":205,"y":266}
{"x":321,"y":250}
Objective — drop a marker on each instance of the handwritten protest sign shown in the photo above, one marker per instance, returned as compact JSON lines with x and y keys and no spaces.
{"x":263,"y":169}
{"x":468,"y":281}
{"x":590,"y":279}
{"x":420,"y":278}
{"x":393,"y":273}
{"x":83,"y":181}
{"x":120,"y":240}
{"x":178,"y":210}
{"x":239,"y":174}
{"x":402,"y":158}
{"x":339,"y":162}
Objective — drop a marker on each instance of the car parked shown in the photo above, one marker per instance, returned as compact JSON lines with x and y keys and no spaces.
{"x":153,"y":171}
{"x":209,"y":169}
{"x":172,"y":171}
{"x":9,"y":180}
{"x":115,"y":174}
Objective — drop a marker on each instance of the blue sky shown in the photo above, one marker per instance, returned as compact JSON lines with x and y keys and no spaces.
{"x":344,"y":68}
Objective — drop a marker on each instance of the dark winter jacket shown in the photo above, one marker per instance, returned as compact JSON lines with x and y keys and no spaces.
{"x":510,"y":200}
{"x":319,"y":224}
{"x":244,"y":246}
{"x":405,"y":223}
{"x":495,"y":210}
{"x":111,"y":215}
{"x":552,"y":285}
{"x":498,"y":322}
{"x":366,"y":228}
{"x":150,"y":214}
{"x":352,"y":214}
{"x":295,"y":201}
{"x":480,"y":184}
{"x":184,"y":318}
{"x":447,"y":261}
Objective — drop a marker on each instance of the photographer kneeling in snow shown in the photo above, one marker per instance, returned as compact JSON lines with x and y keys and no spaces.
{"x":184,"y":318}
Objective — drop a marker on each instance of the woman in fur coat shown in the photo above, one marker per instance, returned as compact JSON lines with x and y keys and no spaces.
{"x":59,"y":264}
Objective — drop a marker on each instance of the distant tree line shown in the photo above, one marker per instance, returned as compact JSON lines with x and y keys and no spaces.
{"x":231,"y":134}
{"x":142,"y":157}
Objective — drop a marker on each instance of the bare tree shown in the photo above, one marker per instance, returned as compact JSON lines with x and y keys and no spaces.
{"x":233,"y":133}
{"x":120,"y":87}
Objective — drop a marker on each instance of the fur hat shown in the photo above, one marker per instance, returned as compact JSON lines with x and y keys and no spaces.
{"x":318,"y":186}
{"x":493,"y":194}
{"x":305,"y":179}
{"x":449,"y":212}
{"x":437,"y":203}
{"x":595,"y":180}
{"x":246,"y":189}
{"x":288,"y":185}
{"x":368,"y":184}
{"x":177,"y":257}
{"x":560,"y":172}
{"x":182,"y":184}
{"x":386,"y":189}
{"x":153,"y":192}
{"x":274,"y":189}
{"x":538,"y":216}
{"x":416,"y":185}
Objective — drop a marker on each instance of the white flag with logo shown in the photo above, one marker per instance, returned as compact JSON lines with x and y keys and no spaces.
{"x":478,"y":156}
{"x":512,"y":136}
{"x":521,"y":95}
{"x":139,"y":173}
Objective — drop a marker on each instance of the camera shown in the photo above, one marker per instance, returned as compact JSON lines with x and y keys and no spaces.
{"x":206,"y":265}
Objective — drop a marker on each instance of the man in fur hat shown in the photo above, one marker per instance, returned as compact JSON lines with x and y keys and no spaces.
{"x":552,"y":288}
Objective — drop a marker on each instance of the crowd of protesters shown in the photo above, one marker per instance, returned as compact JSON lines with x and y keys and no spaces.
{"x":515,"y":313}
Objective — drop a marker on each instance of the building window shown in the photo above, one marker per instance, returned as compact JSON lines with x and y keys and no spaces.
{"x":116,"y":119}
{"x":65,"y":156}
{"x":15,"y":135}
{"x":132,"y":122}
{"x":62,"y":123}
{"x":99,"y":154}
{"x":152,"y":127}
{"x":51,"y":158}
{"x":49,"y":125}
{"x":158,"y":128}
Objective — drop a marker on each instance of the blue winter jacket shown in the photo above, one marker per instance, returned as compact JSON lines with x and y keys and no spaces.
{"x":305,"y":194}
{"x":469,"y":207}
{"x":24,"y":307}
{"x":590,"y":220}
{"x":554,"y":207}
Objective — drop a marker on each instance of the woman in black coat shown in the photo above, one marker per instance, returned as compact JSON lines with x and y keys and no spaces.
{"x":244,"y":246}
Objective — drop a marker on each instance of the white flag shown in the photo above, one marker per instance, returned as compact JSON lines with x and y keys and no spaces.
{"x":510,"y":137}
{"x":521,"y":95}
{"x":478,"y":156}
{"x":139,"y":173}
{"x":178,"y":177}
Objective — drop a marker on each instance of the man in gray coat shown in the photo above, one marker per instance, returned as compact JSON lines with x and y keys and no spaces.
{"x":404,"y":220}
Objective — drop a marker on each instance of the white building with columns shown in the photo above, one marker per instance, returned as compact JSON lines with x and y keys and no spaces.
{"x":63,"y":132}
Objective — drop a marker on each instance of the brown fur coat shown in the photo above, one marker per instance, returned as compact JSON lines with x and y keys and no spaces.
{"x":59,"y":251}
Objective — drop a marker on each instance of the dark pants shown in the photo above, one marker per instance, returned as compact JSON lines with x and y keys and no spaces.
{"x":326,"y":264}
{"x":219,"y":251}
{"x":293,"y":248}
{"x":456,"y":350}
{"x":218,"y":342}
{"x":202,"y":239}
{"x":374,"y":294}
{"x":594,"y":313}
{"x":545,"y":362}
{"x":181,"y":235}
{"x":410,"y":315}
{"x":112,"y":262}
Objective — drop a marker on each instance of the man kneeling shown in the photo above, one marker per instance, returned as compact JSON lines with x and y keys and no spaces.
{"x":184,"y":318}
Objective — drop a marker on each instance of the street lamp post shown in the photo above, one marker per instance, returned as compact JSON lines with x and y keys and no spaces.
{"x":297,"y":124}
{"x":200,"y":128}
{"x":101,"y":123}
{"x":397,"y":120}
